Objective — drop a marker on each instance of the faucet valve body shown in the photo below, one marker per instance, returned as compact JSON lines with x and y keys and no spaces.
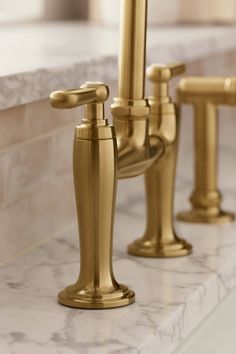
{"x":95,"y":182}
{"x":160,"y":239}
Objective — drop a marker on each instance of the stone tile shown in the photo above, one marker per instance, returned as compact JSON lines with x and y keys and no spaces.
{"x":38,"y":217}
{"x":64,"y":202}
{"x":41,"y":214}
{"x":1,"y":184}
{"x":63,"y":151}
{"x":14,"y":126}
{"x":14,"y":230}
{"x":26,"y":169}
{"x":43,"y":118}
{"x":62,"y":117}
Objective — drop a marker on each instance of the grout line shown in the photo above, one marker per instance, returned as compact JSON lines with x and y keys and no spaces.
{"x":26,"y":142}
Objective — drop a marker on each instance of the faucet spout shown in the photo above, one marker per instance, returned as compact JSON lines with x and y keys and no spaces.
{"x":132,"y":49}
{"x":136,"y":150}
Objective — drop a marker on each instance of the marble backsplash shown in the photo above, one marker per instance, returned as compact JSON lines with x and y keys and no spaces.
{"x":36,"y":186}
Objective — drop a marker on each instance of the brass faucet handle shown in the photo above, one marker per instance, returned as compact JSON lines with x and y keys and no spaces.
{"x":161,"y":73}
{"x":92,"y":95}
{"x":90,"y":92}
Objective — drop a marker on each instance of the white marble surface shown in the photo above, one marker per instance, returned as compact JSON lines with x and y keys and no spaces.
{"x":38,"y":58}
{"x":216,"y":335}
{"x":172,"y":296}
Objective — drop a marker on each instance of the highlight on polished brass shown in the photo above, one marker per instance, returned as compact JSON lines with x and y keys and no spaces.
{"x":206,"y":94}
{"x":143,"y":140}
{"x":95,"y":180}
{"x":160,"y":239}
{"x":130,"y":110}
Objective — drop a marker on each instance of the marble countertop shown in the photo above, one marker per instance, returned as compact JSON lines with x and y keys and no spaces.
{"x":173,"y":296}
{"x":38,"y":58}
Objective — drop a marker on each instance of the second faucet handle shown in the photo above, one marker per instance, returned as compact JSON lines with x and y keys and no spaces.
{"x":90,"y":92}
{"x":160,"y":75}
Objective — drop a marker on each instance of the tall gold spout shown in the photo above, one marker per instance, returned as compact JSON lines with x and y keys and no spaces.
{"x":95,"y":180}
{"x":132,"y":49}
{"x":136,"y":152}
{"x":206,"y":94}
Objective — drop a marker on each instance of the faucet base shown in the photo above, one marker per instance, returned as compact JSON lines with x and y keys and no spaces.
{"x":206,"y":216}
{"x":175,"y":248}
{"x":89,"y":299}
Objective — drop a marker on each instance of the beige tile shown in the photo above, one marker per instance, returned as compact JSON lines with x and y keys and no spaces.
{"x":41,"y":214}
{"x":63,"y":151}
{"x":26,"y":169}
{"x":43,"y":118}
{"x":62,"y":117}
{"x":14,"y":126}
{"x":39,"y":117}
{"x":230,"y":59}
{"x":14,"y":231}
{"x":38,"y":217}
{"x":64,"y":202}
{"x":1,"y":184}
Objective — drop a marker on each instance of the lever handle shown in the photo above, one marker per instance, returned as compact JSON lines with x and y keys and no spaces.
{"x":90,"y":92}
{"x":161,"y":73}
{"x":92,"y":95}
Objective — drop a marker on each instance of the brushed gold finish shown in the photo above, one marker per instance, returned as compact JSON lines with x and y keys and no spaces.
{"x":143,"y":140}
{"x":132,"y":49}
{"x":206,"y":94}
{"x":130,"y":110}
{"x":160,"y":239}
{"x":95,"y":181}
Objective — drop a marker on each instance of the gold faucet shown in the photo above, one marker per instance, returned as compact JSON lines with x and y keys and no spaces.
{"x":159,"y":239}
{"x":206,"y":94}
{"x":95,"y":162}
{"x":143,"y":140}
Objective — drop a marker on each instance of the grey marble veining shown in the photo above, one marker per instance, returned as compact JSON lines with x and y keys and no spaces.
{"x":172,"y":296}
{"x":39,"y":58}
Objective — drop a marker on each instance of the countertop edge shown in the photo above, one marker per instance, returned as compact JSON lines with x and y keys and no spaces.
{"x":29,"y":86}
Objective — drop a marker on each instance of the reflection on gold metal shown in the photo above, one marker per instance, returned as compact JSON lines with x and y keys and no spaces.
{"x":95,"y":180}
{"x":160,"y":239}
{"x":130,"y":110}
{"x":206,"y":94}
{"x":102,"y":155}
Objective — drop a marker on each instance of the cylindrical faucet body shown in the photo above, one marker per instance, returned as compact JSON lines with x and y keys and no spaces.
{"x":95,"y":180}
{"x":95,"y":166}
